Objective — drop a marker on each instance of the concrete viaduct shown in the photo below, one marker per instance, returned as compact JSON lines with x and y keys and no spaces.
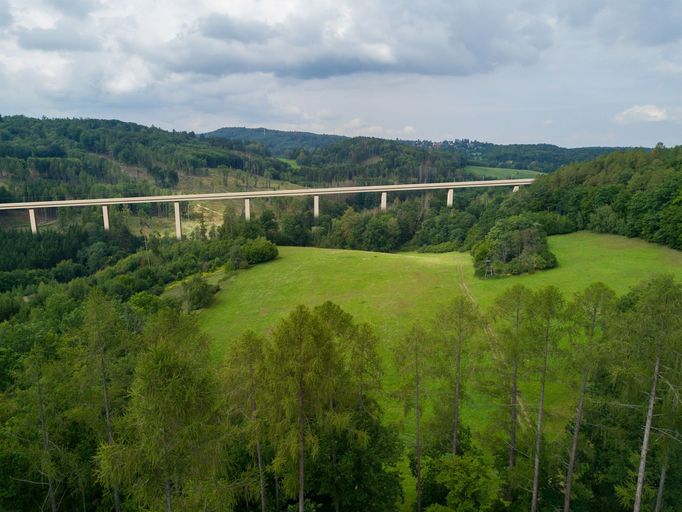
{"x":31,"y":206}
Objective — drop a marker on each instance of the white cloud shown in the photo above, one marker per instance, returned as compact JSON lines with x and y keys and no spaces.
{"x":643,"y":114}
{"x":669,"y":67}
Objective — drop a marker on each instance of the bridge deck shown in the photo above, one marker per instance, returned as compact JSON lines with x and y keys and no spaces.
{"x":263,"y":193}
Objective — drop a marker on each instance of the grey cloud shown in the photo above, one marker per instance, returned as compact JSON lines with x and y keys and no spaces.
{"x":64,"y":37}
{"x":228,"y":28}
{"x":446,"y":40}
{"x":5,"y":14}
{"x":75,"y":8}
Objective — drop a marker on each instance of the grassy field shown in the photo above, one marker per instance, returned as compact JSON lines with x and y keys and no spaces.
{"x":391,"y":291}
{"x":500,"y":173}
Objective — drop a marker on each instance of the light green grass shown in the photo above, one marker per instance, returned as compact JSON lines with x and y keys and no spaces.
{"x":292,"y":163}
{"x":391,"y":291}
{"x":500,"y":173}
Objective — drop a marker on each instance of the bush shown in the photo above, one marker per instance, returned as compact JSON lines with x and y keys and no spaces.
{"x":198,"y":293}
{"x":515,"y":245}
{"x":9,"y":306}
{"x":259,"y":250}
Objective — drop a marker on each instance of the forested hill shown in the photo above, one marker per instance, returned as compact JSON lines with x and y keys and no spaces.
{"x":367,"y":160}
{"x":42,"y":159}
{"x":77,"y":158}
{"x":634,"y":193}
{"x":280,"y":143}
{"x":536,"y":157}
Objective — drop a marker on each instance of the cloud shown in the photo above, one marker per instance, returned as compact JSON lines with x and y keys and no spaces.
{"x":227,"y":28}
{"x":65,"y":36}
{"x":355,"y":38}
{"x":645,"y":114}
{"x":396,"y":68}
{"x":6,"y":17}
{"x":75,"y":8}
{"x":669,"y":67}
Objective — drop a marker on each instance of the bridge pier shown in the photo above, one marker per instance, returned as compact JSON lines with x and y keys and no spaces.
{"x":316,"y":206}
{"x":451,"y":197}
{"x":384,"y":200}
{"x":105,"y":217}
{"x":247,"y":209}
{"x":32,"y":217}
{"x":515,"y":189}
{"x":178,"y":223}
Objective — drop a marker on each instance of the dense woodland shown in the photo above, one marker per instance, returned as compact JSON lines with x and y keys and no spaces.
{"x":111,"y":398}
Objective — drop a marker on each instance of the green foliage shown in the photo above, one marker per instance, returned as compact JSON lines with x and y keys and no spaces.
{"x":633,"y":193}
{"x":198,"y":293}
{"x":171,"y":443}
{"x":259,"y":250}
{"x":472,"y":485}
{"x":514,"y":245}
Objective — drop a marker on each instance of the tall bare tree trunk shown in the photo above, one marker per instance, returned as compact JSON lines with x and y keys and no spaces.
{"x":514,"y":404}
{"x":46,"y":446}
{"x":107,"y":415}
{"x":417,"y":448}
{"x":574,"y":444}
{"x":645,"y":441}
{"x":301,"y":454}
{"x":538,"y":434}
{"x":333,"y":441}
{"x":661,"y":483}
{"x":512,"y":426}
{"x":167,"y":490}
{"x":261,"y":471}
{"x":261,"y":476}
{"x":458,"y":375}
{"x":167,"y":481}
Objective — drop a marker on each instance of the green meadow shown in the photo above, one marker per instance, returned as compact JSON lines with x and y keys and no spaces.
{"x":392,"y":291}
{"x":501,"y":173}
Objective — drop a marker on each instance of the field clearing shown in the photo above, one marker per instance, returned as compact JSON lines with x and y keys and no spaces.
{"x":391,"y":291}
{"x":290,"y":162}
{"x":500,"y":173}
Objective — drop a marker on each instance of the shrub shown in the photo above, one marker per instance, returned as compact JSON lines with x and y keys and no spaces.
{"x":259,"y":250}
{"x":198,"y":293}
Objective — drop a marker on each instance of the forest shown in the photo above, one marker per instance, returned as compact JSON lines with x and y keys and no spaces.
{"x":113,"y":397}
{"x":113,"y":400}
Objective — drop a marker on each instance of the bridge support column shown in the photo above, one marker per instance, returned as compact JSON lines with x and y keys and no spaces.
{"x":178,"y":224}
{"x":451,"y":197}
{"x":32,"y":217}
{"x":515,"y":189}
{"x":105,"y":217}
{"x":247,"y":209}
{"x":384,"y":198}
{"x":316,"y":206}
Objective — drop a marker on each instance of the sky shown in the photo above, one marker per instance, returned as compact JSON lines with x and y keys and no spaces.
{"x":567,"y":72}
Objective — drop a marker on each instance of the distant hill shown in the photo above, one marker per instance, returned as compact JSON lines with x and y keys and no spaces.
{"x":536,"y":157}
{"x":278,"y":142}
